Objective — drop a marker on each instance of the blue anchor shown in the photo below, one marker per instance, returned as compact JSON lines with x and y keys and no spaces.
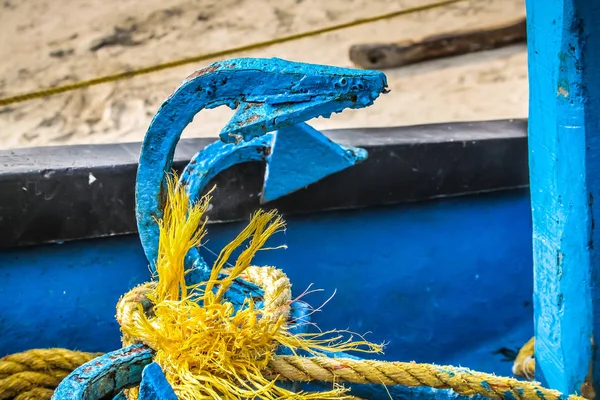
{"x":268,"y":95}
{"x":273,"y":98}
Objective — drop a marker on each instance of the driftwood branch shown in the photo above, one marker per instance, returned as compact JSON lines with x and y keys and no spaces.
{"x":380,"y":56}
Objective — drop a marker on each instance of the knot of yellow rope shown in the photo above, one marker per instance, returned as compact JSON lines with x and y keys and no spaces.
{"x":461,"y":380}
{"x":207,"y":346}
{"x":208,"y":350}
{"x":34,"y":374}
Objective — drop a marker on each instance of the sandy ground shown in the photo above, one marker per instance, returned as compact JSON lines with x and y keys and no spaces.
{"x":44,"y":43}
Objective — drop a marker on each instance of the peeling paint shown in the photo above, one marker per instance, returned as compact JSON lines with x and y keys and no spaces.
{"x":289,"y":93}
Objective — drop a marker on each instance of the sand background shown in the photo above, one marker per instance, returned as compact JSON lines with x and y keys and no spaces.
{"x":44,"y":43}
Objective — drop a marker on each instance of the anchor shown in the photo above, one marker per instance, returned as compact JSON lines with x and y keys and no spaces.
{"x":272,"y":99}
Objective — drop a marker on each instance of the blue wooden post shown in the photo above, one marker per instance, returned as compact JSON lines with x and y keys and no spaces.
{"x":564,"y":151}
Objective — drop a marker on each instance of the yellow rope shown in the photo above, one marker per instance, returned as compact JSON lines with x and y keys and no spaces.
{"x":22,"y":379}
{"x":460,"y":380}
{"x":222,"y":53}
{"x":127,"y":308}
{"x":34,"y":374}
{"x":36,"y":394}
{"x":209,"y":350}
{"x":274,"y":283}
{"x":190,"y":372}
{"x":276,"y":287}
{"x":524,"y":365}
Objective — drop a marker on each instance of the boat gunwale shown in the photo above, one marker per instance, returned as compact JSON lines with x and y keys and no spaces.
{"x":64,"y":193}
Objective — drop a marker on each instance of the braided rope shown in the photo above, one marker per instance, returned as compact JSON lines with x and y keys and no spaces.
{"x":461,"y":380}
{"x":275,"y":284}
{"x":277,"y":297}
{"x":524,"y":367}
{"x":34,"y":374}
{"x":128,"y":306}
{"x":277,"y":289}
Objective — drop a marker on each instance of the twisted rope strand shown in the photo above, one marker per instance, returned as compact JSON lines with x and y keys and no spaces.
{"x":36,"y":394}
{"x":34,"y":374}
{"x":461,"y":380}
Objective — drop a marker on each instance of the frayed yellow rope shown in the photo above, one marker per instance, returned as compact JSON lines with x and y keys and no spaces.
{"x":206,"y":348}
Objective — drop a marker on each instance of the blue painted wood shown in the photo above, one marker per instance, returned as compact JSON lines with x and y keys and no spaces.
{"x":300,"y":156}
{"x":154,"y":385}
{"x":280,"y":93}
{"x":416,"y":282}
{"x":564,"y":148}
{"x":416,"y":302}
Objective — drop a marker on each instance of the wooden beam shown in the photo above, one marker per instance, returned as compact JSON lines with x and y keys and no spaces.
{"x":564,"y":156}
{"x":390,"y":55}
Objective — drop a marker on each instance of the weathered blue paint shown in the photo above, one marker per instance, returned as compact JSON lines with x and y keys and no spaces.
{"x":154,"y":385}
{"x":268,"y":94}
{"x":106,"y":375}
{"x":77,"y":287}
{"x":564,"y":148}
{"x":300,"y":156}
{"x":203,"y":167}
{"x":415,"y":284}
{"x":296,"y":157}
{"x":400,"y":272}
{"x":285,"y":93}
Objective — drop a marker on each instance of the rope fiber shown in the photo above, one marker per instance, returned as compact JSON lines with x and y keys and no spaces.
{"x":34,"y":374}
{"x":37,"y":94}
{"x":461,"y":380}
{"x":209,"y":350}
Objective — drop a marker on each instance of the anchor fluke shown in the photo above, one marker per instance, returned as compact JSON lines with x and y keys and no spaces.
{"x":300,"y":156}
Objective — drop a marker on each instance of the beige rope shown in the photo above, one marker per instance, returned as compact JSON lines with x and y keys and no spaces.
{"x":34,"y":374}
{"x":461,"y":380}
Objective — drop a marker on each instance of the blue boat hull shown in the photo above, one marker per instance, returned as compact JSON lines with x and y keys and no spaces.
{"x":446,"y":281}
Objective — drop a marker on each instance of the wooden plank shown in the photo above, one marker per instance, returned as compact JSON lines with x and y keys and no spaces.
{"x":390,"y":55}
{"x":564,"y":156}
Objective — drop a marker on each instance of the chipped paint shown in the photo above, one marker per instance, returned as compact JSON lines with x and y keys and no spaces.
{"x":564,"y":57}
{"x":289,"y":93}
{"x":106,"y":375}
{"x":563,"y":92}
